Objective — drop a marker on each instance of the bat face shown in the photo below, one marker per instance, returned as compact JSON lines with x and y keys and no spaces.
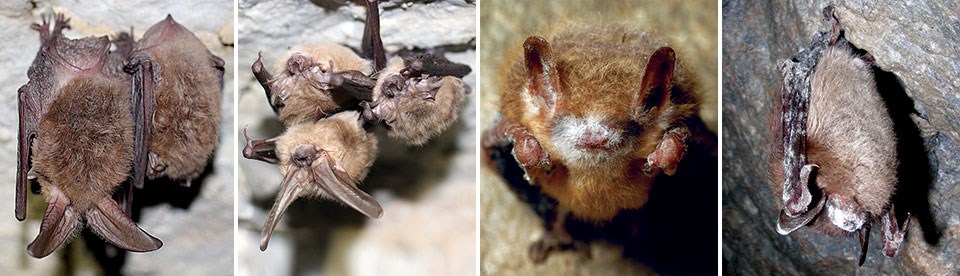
{"x":75,"y":121}
{"x":834,"y":164}
{"x":328,"y":159}
{"x":416,"y":109}
{"x":305,"y":81}
{"x":597,"y":98}
{"x":185,"y":82}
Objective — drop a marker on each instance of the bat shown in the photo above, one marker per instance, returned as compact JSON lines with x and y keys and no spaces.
{"x":595,"y":116}
{"x":178,"y":117}
{"x":76,"y":139}
{"x":416,"y":104}
{"x":325,"y":158}
{"x":834,"y":151}
{"x":314,"y":81}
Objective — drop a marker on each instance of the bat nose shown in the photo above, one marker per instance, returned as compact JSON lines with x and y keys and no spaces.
{"x":297,"y":63}
{"x":593,"y":140}
{"x":304,"y":155}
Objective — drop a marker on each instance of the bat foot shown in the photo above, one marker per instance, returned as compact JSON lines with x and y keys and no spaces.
{"x":668,"y":154}
{"x":892,"y":235}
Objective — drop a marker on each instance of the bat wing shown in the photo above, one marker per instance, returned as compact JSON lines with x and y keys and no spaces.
{"x":372,"y":46}
{"x":58,"y":223}
{"x":434,"y":65}
{"x":144,"y":104}
{"x":28,"y":111}
{"x":356,"y":84}
{"x":113,"y":225}
{"x":344,"y":188}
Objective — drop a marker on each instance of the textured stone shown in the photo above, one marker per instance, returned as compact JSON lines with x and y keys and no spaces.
{"x":915,"y":42}
{"x":427,"y":193}
{"x":198,"y":237}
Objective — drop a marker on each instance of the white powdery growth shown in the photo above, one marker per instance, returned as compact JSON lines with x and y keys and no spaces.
{"x":569,"y":131}
{"x":844,"y":215}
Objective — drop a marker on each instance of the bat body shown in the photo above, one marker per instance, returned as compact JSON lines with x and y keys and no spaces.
{"x":326,"y":158}
{"x":416,"y":108}
{"x":181,"y":82}
{"x":848,"y":156}
{"x":308,"y":83}
{"x":76,"y":123}
{"x":596,"y":115}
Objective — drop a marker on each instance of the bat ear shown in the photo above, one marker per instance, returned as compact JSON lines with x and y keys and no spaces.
{"x":654,"y":94}
{"x":114,"y":226}
{"x":544,"y":78}
{"x":58,"y":223}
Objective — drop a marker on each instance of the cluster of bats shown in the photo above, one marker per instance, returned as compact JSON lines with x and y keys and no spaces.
{"x":101,"y":114}
{"x":595,"y":115}
{"x":834,"y":157}
{"x":330,"y":99}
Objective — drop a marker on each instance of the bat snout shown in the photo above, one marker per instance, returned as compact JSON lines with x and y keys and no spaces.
{"x":593,"y":140}
{"x":298,"y":63}
{"x":304,"y":155}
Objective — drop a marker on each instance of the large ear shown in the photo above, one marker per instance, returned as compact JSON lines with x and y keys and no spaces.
{"x":114,"y":226}
{"x":343,"y":188}
{"x":543,"y":76}
{"x":290,"y":190}
{"x":654,"y":94}
{"x":57,"y":225}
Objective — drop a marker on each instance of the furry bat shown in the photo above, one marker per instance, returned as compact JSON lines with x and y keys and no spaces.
{"x":178,"y":119}
{"x":596,"y":115}
{"x":834,"y":157}
{"x":416,"y":106}
{"x":325,"y":158}
{"x":75,"y":132}
{"x":314,"y":81}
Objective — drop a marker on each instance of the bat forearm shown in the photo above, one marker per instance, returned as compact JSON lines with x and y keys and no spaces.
{"x":526,"y":148}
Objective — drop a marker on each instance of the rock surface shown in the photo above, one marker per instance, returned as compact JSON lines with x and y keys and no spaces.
{"x":508,"y":226}
{"x":428,"y":193}
{"x":915,"y":43}
{"x":195,"y":224}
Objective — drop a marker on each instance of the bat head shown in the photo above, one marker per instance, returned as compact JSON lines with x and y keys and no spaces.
{"x":597,"y":115}
{"x":327,"y":158}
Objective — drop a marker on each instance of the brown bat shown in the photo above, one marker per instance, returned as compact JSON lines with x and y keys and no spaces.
{"x":75,"y":136}
{"x":595,"y":115}
{"x":325,"y":158}
{"x":834,"y":158}
{"x":180,"y":82}
{"x":416,"y":106}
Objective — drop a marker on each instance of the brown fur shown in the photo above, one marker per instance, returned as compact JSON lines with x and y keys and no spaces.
{"x":85,"y":146}
{"x":305,"y":102}
{"x":187,"y":118}
{"x":849,"y":135}
{"x":341,"y":135}
{"x":600,"y":69}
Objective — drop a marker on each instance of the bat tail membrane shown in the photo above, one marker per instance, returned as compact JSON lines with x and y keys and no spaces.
{"x":113,"y":225}
{"x":58,"y":224}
